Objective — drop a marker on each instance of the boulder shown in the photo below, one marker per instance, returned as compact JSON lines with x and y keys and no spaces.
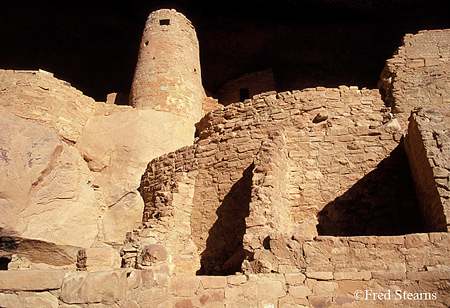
{"x":45,"y":191}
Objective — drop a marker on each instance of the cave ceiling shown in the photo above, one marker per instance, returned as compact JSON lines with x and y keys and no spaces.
{"x":94,"y":45}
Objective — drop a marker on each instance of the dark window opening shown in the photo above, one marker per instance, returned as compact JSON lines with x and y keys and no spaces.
{"x":146,"y":43}
{"x":244,"y":93}
{"x":164,"y":22}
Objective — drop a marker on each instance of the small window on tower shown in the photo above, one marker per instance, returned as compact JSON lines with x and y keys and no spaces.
{"x":164,"y":22}
{"x":244,"y":93}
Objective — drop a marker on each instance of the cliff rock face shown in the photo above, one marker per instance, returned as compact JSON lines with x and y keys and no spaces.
{"x":117,"y":149}
{"x":45,"y":189}
{"x":71,"y":165}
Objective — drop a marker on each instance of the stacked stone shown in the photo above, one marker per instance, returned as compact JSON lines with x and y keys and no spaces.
{"x":269,"y":206}
{"x":354,"y":255}
{"x":333,"y":139}
{"x":428,"y":148}
{"x":418,"y":74}
{"x":316,"y":286}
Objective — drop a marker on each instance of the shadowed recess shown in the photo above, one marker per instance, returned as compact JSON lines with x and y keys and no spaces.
{"x":381,"y":203}
{"x":224,"y":251}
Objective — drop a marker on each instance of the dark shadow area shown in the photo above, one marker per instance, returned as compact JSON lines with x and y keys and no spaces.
{"x":382,"y":203}
{"x":4,"y":261}
{"x":224,"y":251}
{"x":8,"y":244}
{"x":37,"y":251}
{"x":308,"y":43}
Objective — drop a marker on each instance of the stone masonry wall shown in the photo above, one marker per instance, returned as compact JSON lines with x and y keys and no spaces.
{"x":336,"y":272}
{"x":427,"y":146}
{"x":336,"y":140}
{"x":419,"y":74}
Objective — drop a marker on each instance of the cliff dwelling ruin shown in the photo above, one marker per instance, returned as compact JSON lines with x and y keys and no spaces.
{"x":266,"y":183}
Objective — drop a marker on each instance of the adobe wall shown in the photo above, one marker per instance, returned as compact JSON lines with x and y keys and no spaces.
{"x":418,"y":75}
{"x":254,"y":82}
{"x":427,"y":146}
{"x":336,"y":151}
{"x":168,"y":74}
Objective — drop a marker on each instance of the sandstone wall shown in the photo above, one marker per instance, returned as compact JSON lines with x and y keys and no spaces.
{"x":418,"y":74}
{"x":77,"y":173}
{"x":427,"y":147}
{"x":314,"y":287}
{"x":40,"y":97}
{"x":168,"y":74}
{"x":340,"y":163}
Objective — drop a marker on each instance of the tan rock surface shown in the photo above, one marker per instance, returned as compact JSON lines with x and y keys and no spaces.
{"x":40,"y":97}
{"x":118,"y":148}
{"x":44,"y":188}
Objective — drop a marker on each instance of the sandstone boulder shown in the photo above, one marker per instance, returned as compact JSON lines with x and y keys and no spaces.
{"x":45,"y":191}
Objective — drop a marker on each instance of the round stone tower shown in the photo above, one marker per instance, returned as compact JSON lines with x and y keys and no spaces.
{"x":168,"y":76}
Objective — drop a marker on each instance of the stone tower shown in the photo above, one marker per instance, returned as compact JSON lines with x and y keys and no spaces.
{"x":168,"y":76}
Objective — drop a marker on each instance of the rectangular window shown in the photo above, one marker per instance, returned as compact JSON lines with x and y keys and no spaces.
{"x":164,"y":22}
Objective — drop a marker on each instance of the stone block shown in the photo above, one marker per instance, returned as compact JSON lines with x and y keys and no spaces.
{"x":212,"y":298}
{"x":320,"y":275}
{"x":295,"y":279}
{"x":9,"y":300}
{"x":94,"y":287}
{"x":31,"y":280}
{"x":213,"y":282}
{"x":41,"y":300}
{"x":237,"y":279}
{"x":389,"y":275}
{"x":324,"y":288}
{"x":98,"y":258}
{"x":271,"y":289}
{"x":183,"y":285}
{"x":299,"y":291}
{"x":352,"y":275}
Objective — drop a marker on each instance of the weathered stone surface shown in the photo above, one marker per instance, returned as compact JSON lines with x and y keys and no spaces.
{"x":44,"y":188}
{"x":31,"y":280}
{"x":98,"y":258}
{"x":168,"y":73}
{"x":153,"y":254}
{"x":211,"y":282}
{"x":38,"y":96}
{"x":94,"y":287}
{"x":183,"y":285}
{"x":123,"y":150}
{"x":416,"y":76}
{"x":9,"y":300}
{"x":42,"y":299}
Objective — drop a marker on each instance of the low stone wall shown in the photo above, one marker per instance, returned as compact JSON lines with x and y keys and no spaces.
{"x":408,"y":271}
{"x":334,"y":151}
